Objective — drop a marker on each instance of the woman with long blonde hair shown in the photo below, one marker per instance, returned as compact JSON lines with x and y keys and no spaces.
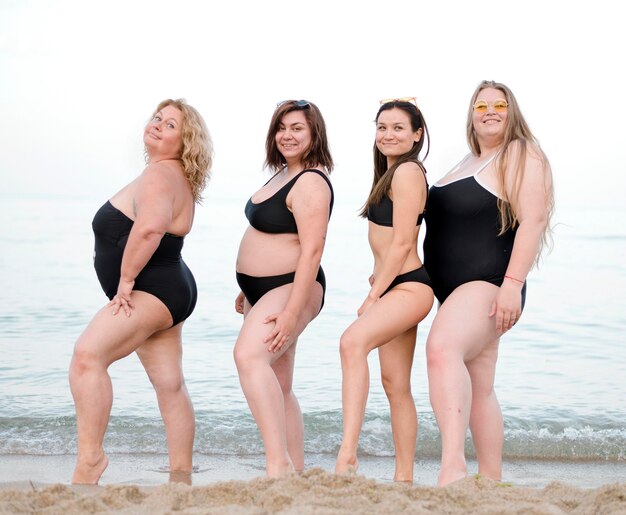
{"x":486,"y":223}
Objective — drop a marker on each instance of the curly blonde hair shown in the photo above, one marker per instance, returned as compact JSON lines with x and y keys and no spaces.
{"x":197,"y":152}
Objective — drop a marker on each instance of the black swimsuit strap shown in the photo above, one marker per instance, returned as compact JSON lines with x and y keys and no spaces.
{"x":291,"y":183}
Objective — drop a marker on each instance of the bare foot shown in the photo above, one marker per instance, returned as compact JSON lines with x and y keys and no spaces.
{"x":88,"y":473}
{"x":180,"y":476}
{"x":279,"y":470}
{"x":448,"y":477}
{"x":346,"y":464}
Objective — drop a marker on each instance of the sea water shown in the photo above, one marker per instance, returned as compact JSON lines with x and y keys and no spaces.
{"x":561,"y":371}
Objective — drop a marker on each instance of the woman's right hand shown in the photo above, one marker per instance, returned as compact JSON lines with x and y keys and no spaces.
{"x":122,"y":298}
{"x":366,"y":304}
{"x":239,"y":303}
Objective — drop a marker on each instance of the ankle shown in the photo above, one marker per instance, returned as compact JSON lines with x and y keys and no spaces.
{"x":91,"y":458}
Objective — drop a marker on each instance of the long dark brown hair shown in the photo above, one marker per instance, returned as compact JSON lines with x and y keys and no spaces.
{"x":383,"y":176}
{"x":318,"y":153}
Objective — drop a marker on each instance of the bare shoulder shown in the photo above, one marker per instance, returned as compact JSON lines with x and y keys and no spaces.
{"x":311,"y":193}
{"x":165,"y":167}
{"x":408,"y":174}
{"x":166,"y":172}
{"x":528,"y":149}
{"x":409,"y":168}
{"x":313,"y":182}
{"x":535,"y":161}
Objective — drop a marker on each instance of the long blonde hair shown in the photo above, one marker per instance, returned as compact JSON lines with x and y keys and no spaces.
{"x":518,"y":142}
{"x":197,"y":151}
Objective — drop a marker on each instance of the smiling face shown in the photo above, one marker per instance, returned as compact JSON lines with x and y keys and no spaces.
{"x":293,"y":138}
{"x":394,"y":134}
{"x":490,"y":125}
{"x":163,"y":134}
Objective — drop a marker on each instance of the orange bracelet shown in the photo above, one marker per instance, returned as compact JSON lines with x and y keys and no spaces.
{"x":513,"y":279}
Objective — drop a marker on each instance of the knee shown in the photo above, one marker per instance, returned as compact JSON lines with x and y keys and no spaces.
{"x":351,"y":347}
{"x":286,"y":388}
{"x":395,"y":386}
{"x":245,"y":360}
{"x":167,"y":383}
{"x":438,"y":354}
{"x":83,"y":361}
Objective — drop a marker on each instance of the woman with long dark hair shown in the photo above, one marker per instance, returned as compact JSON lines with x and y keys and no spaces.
{"x":400,"y":295}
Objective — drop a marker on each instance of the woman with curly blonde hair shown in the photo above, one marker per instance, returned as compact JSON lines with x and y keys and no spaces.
{"x":139,"y":234}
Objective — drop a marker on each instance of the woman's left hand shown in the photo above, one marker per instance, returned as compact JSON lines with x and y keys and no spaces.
{"x":122,"y":298}
{"x":507,"y":306}
{"x":282,"y":334}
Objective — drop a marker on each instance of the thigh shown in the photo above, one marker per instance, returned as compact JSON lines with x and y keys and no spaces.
{"x":254,"y":329}
{"x":392,"y":315}
{"x":111,"y":337}
{"x":462,"y":323}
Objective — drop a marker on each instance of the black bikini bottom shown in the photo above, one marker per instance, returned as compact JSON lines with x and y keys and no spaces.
{"x":255,"y":287}
{"x":419,"y":275}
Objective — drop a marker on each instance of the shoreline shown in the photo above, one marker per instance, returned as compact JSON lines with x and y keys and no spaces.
{"x":234,"y":485}
{"x":22,"y":471}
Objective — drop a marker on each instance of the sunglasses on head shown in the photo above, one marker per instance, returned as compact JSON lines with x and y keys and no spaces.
{"x":410,"y":100}
{"x":301,"y":104}
{"x":500,"y":105}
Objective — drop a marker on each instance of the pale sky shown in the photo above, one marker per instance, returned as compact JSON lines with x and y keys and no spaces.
{"x":78,"y":79}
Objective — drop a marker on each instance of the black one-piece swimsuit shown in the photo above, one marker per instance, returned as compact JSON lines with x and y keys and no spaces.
{"x":166,"y":276}
{"x":462,"y":242}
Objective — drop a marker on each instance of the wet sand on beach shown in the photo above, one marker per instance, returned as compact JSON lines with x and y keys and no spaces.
{"x":316,"y":491}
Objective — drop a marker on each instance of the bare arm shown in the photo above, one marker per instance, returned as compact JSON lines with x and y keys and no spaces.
{"x":409,"y":195}
{"x":310,"y":204}
{"x":153,"y":206}
{"x":532,"y":214}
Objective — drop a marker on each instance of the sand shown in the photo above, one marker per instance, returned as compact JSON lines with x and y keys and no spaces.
{"x":316,"y":491}
{"x":129,"y":487}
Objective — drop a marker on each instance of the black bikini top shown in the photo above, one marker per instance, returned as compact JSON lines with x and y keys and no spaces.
{"x":272,"y":215}
{"x":382,"y":213}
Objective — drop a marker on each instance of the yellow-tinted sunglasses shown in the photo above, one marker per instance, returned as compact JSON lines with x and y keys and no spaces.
{"x":500,"y":105}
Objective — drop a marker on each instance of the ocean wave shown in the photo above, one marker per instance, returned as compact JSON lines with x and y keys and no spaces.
{"x":235,"y":433}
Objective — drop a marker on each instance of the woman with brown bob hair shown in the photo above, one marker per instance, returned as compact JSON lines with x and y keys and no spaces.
{"x":279,"y":273}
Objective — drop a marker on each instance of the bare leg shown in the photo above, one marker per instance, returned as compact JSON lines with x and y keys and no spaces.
{"x":283,"y":368}
{"x":106,"y":339}
{"x":397,"y":312}
{"x":460,"y":332}
{"x":396,"y":360}
{"x":486,"y":421}
{"x":258,"y":379}
{"x":161,"y":356}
